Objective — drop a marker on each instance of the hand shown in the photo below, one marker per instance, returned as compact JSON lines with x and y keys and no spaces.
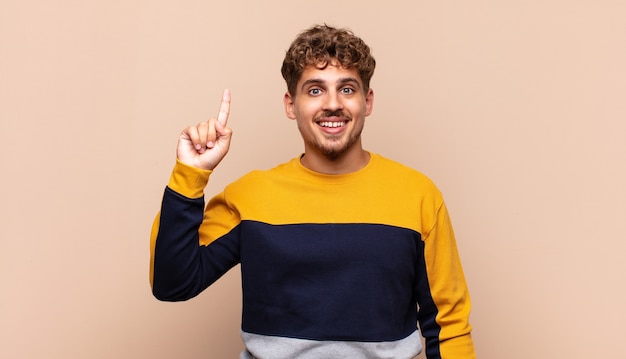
{"x":205,"y":144}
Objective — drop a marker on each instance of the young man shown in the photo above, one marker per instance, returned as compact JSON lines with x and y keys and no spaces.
{"x":342,"y":251}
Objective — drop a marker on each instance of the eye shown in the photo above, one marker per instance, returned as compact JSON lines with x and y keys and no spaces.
{"x":315,"y":91}
{"x":347,"y":90}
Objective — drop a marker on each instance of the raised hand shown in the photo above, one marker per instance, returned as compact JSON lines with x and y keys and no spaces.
{"x":205,"y":144}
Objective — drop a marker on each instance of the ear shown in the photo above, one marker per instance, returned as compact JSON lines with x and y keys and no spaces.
{"x":369,"y":102}
{"x":289,"y":106}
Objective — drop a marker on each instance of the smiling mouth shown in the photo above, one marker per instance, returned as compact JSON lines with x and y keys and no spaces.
{"x":332,"y":124}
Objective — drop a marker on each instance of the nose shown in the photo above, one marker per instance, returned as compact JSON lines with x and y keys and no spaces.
{"x":333,"y":101}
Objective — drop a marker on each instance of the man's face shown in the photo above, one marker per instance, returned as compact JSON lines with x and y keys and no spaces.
{"x":330,"y":106}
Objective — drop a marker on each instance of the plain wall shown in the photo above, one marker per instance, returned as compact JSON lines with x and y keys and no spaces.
{"x":516,"y":109}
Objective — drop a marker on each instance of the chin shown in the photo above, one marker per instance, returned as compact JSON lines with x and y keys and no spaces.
{"x":333,"y":153}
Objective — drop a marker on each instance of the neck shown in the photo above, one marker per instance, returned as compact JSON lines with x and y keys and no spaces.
{"x":346,"y":163}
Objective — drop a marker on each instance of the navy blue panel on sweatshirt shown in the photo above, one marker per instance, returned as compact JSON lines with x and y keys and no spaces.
{"x":350,"y":282}
{"x":180,"y":278}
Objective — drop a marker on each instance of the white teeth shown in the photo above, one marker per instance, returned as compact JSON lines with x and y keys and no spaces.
{"x":331,"y":124}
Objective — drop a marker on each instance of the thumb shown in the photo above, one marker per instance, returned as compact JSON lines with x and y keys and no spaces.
{"x":222,"y":130}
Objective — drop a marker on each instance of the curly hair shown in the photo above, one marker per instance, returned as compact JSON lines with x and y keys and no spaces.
{"x":320,"y":46}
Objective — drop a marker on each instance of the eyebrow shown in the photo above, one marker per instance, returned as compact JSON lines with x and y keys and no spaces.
{"x":342,"y":81}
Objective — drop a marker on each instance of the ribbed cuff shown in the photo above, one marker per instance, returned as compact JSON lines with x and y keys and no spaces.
{"x":188,"y":181}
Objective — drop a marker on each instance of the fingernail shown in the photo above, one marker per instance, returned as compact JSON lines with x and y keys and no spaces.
{"x":210,"y":144}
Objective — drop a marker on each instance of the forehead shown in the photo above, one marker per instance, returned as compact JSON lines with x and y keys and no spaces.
{"x":329,"y":75}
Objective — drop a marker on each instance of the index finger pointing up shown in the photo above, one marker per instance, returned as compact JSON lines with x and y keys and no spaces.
{"x":222,"y":116}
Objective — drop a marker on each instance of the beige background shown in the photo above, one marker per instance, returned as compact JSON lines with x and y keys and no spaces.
{"x":517,"y":109}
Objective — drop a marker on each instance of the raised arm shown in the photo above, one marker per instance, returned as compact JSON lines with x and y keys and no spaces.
{"x":182,"y":263}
